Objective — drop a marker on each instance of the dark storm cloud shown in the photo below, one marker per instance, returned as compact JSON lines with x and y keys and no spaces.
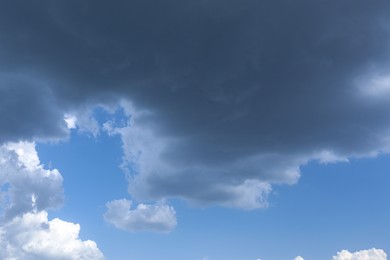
{"x":28,"y":110}
{"x":241,"y":84}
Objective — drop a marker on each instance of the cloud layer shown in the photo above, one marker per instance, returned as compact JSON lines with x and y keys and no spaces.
{"x":226,"y":96}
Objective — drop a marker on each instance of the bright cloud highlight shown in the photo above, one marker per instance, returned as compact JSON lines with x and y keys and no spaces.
{"x":32,"y":236}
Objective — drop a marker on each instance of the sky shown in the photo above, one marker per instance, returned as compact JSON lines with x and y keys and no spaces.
{"x":199,"y":130}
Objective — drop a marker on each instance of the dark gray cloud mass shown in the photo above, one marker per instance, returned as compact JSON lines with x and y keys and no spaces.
{"x":249,"y":90}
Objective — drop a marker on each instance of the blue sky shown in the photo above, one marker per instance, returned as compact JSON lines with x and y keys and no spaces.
{"x":179,"y":129}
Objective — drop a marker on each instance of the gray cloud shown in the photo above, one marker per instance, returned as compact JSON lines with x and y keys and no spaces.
{"x":28,"y":109}
{"x":237,"y":92}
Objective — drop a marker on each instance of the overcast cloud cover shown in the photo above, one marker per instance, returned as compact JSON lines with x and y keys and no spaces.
{"x":238,"y":95}
{"x":229,"y":86}
{"x":222,"y":99}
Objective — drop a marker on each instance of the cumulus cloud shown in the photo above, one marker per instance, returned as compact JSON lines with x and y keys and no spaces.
{"x":225,"y":95}
{"x":370,"y":254}
{"x":159,"y":217}
{"x":25,"y":185}
{"x":298,"y":258}
{"x":27,"y":190}
{"x":33,"y":236}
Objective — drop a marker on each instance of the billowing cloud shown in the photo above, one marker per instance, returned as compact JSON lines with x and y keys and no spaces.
{"x":27,"y":190}
{"x":32,"y":236}
{"x":227,"y":96}
{"x":25,"y":185}
{"x":370,"y":254}
{"x":158,"y":218}
{"x":155,"y":176}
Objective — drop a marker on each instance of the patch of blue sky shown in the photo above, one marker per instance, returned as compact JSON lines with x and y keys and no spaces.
{"x":114,"y":115}
{"x":91,"y":173}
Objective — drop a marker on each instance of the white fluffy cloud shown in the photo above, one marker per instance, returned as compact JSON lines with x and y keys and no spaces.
{"x":370,"y":254}
{"x":158,"y":218}
{"x":25,"y":185}
{"x":27,"y":190}
{"x":298,"y":258}
{"x":32,"y":236}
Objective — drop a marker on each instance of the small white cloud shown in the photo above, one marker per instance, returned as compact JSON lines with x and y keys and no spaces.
{"x":370,"y":254}
{"x":298,"y":258}
{"x":70,"y":121}
{"x":83,"y":120}
{"x":159,"y":217}
{"x":33,"y":236}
